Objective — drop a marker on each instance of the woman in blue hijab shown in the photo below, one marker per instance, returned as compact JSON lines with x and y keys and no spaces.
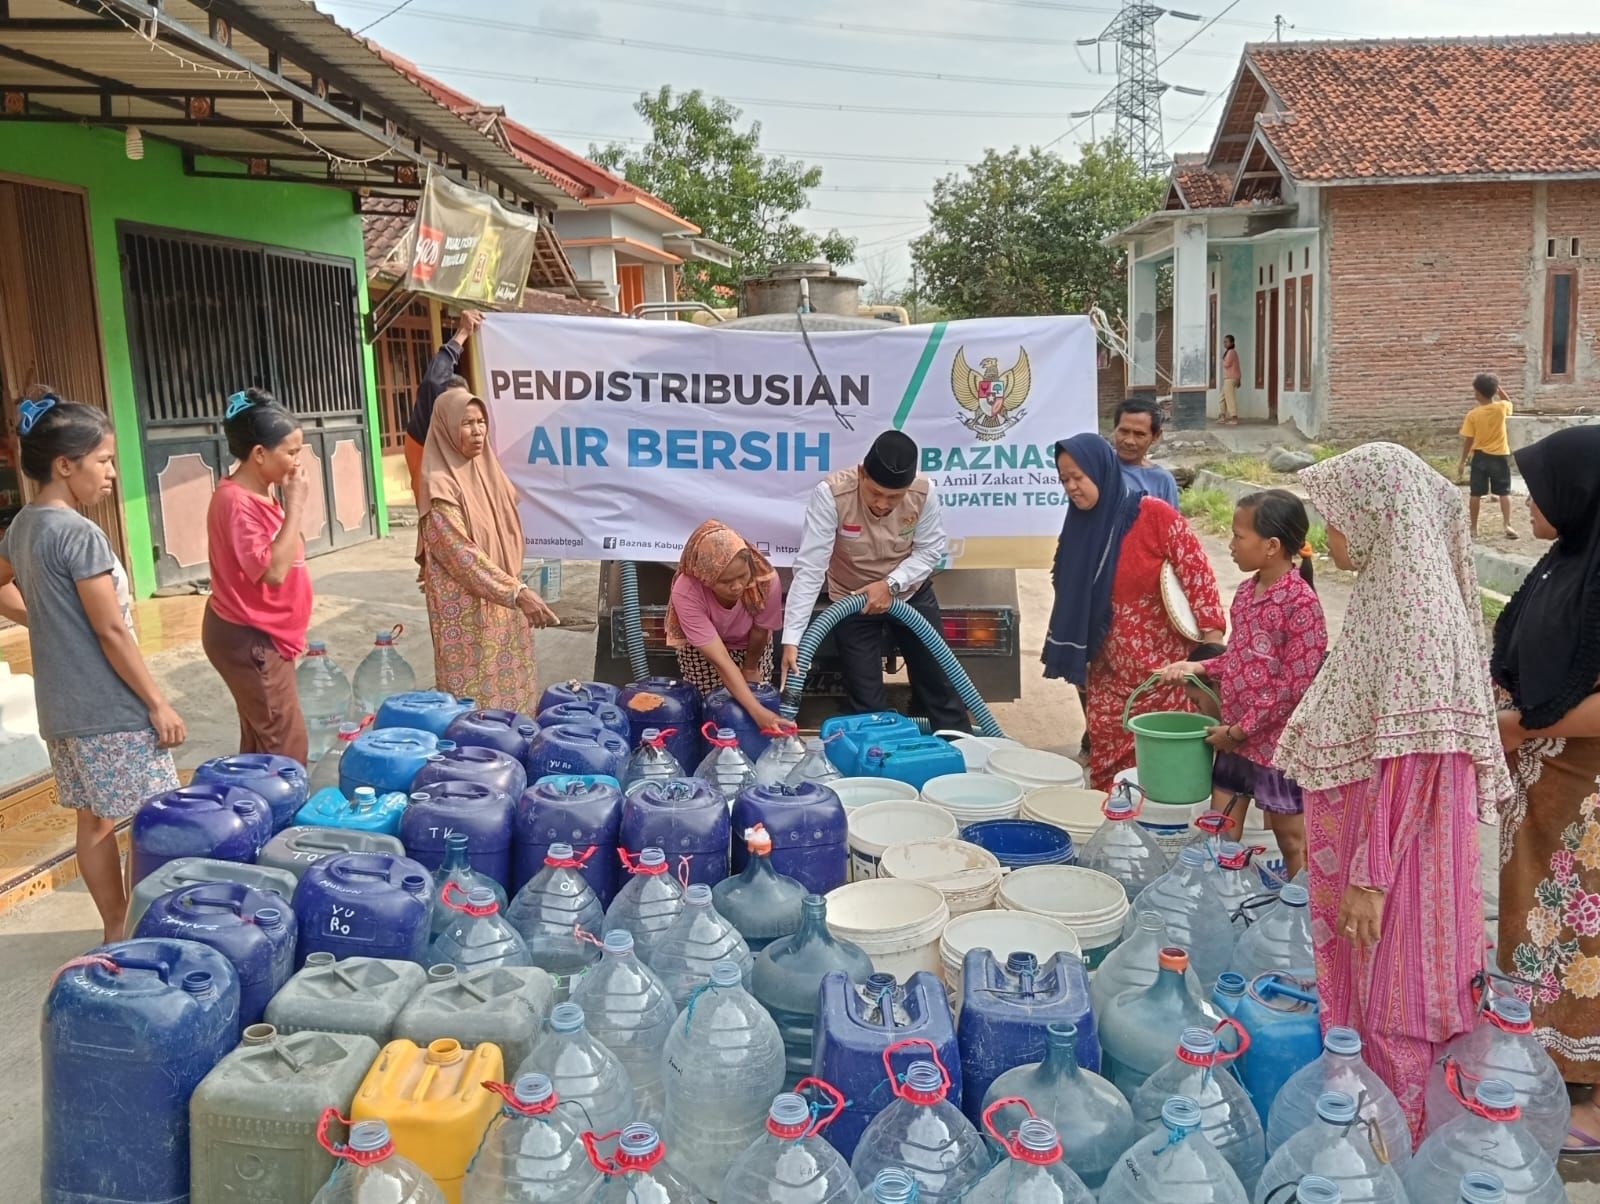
{"x":1109,"y":629}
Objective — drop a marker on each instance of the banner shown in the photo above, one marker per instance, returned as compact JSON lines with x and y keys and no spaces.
{"x":623,"y":436}
{"x":466,"y":246}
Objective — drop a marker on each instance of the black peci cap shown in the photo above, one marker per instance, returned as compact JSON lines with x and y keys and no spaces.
{"x":892,"y":460}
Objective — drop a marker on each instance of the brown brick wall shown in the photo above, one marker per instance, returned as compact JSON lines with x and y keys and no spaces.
{"x":1429,"y":285}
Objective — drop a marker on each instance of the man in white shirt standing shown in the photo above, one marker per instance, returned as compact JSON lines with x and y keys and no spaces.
{"x":877,"y":530}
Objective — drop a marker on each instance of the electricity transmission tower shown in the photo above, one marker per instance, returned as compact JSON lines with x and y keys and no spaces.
{"x":1136,"y":100}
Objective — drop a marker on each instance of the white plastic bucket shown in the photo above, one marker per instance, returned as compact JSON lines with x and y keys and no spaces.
{"x":897,"y":924}
{"x":1076,"y":810}
{"x":1032,"y":768}
{"x":1092,"y":904}
{"x":976,"y":749}
{"x":1002,"y":933}
{"x":966,"y":875}
{"x":858,"y":792}
{"x":974,"y":796}
{"x":876,"y":826}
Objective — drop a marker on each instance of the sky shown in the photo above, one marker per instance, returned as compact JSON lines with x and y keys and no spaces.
{"x":955,"y":76}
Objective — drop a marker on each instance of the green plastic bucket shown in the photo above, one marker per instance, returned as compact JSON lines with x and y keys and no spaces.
{"x":1170,"y":749}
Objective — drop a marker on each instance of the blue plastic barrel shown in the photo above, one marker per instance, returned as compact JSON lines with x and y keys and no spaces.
{"x":1018,"y":843}
{"x":721,"y":709}
{"x":364,"y":812}
{"x":386,"y":760}
{"x":128,"y":1033}
{"x":424,"y":710}
{"x":583,"y":812}
{"x":849,"y":736}
{"x":576,"y":691}
{"x":664,"y":703}
{"x":809,"y":831}
{"x":480,"y":812}
{"x":1283,"y":1016}
{"x":364,"y":905}
{"x":493,"y":728}
{"x":606,"y":715}
{"x":474,"y":764}
{"x":683,"y":817}
{"x":281,"y":781}
{"x":224,"y":823}
{"x":576,"y":750}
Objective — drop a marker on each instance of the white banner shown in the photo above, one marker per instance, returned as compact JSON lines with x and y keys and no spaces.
{"x":623,"y":436}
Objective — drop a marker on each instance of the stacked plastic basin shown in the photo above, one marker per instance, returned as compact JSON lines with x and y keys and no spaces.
{"x":583,"y":812}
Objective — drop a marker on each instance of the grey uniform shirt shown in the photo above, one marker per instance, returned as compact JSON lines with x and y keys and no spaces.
{"x":77,"y":691}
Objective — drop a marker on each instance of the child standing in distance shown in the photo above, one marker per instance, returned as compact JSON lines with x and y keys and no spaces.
{"x":104,"y":720}
{"x":1483,"y":437}
{"x":1277,"y":644}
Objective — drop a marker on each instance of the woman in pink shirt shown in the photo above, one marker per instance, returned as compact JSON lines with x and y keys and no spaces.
{"x":725,"y":605}
{"x":255,"y":624}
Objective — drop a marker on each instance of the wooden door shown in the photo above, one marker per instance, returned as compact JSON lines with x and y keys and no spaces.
{"x":1274,"y":329}
{"x":49,"y":318}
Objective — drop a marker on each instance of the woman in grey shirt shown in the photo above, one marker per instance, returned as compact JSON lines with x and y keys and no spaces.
{"x":103,"y":718}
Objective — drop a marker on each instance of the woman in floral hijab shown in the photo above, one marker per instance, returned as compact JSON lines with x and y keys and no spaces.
{"x":1397,"y":749}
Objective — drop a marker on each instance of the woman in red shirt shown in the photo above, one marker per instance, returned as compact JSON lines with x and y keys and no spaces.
{"x":255,"y":624}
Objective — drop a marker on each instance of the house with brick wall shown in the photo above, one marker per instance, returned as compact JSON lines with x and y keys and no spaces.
{"x":1376,"y":222}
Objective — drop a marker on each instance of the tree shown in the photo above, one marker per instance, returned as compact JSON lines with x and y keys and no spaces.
{"x":882,"y":277}
{"x":700,"y":162}
{"x":1020,"y":233}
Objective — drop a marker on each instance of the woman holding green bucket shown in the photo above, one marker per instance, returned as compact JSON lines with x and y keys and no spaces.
{"x":1397,"y":750}
{"x":1109,"y":628}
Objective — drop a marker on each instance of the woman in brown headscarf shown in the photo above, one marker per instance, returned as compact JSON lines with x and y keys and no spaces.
{"x":470,"y":548}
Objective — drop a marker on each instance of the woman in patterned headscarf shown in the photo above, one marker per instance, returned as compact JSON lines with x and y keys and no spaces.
{"x":725,"y":605}
{"x":1396,"y":747}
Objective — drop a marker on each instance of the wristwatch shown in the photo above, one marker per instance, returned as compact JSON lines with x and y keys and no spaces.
{"x":895,"y":588}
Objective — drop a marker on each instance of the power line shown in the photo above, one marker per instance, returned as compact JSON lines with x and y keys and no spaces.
{"x":858,"y":213}
{"x":404,"y":4}
{"x":866,"y":188}
{"x":778,"y":150}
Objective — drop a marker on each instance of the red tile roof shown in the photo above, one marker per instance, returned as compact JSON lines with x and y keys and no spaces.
{"x":1432,"y":109}
{"x":1202,"y":188}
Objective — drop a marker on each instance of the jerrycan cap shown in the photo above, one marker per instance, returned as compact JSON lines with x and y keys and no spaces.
{"x":269,"y":920}
{"x":1343,"y":1041}
{"x":1482,"y":1187}
{"x":198,"y":983}
{"x":1231,"y":984}
{"x":1314,"y":1189}
{"x":566,"y":1018}
{"x":1294,"y":895}
{"x":414,"y":884}
{"x":618,"y":941}
{"x":1022,"y":963}
{"x":1181,"y":1114}
{"x":1336,"y":1107}
{"x":698,"y":895}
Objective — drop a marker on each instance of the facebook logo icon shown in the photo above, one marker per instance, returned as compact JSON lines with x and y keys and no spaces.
{"x":609,"y":542}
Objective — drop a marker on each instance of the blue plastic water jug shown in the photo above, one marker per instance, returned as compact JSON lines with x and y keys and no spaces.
{"x":721,"y":711}
{"x":254,"y":930}
{"x":807,"y":824}
{"x":224,"y":823}
{"x":474,"y":764}
{"x":509,"y":731}
{"x":477,"y":811}
{"x":282,"y":781}
{"x":364,"y":811}
{"x":569,"y":749}
{"x":670,"y":705}
{"x":128,"y":1033}
{"x":857,"y":1022}
{"x":683,"y":817}
{"x":915,"y":761}
{"x":576,"y":691}
{"x":1282,"y":1014}
{"x":849,"y":736}
{"x":606,"y":716}
{"x":585,"y":813}
{"x":386,"y":760}
{"x":425,"y":710}
{"x":1005,"y":1010}
{"x":364,"y":905}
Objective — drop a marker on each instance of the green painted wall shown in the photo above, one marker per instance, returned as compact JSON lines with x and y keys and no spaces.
{"x":154,"y":190}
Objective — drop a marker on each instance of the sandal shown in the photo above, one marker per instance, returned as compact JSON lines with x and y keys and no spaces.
{"x":1588,"y":1147}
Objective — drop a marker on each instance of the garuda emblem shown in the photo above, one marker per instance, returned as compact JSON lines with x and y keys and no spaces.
{"x":992,"y":399}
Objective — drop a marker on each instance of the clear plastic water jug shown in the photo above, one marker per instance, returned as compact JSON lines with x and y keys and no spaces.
{"x":788,"y":976}
{"x":1123,"y":848}
{"x":1135,"y":963}
{"x":628,"y":1010}
{"x":640,"y":1173}
{"x":1503,"y":1046}
{"x":725,"y":767}
{"x":1197,"y":918}
{"x":760,"y":902}
{"x":923,"y":1132}
{"x":1278,"y":938}
{"x":1228,"y":1119}
{"x":1236,"y":883}
{"x":650,"y":902}
{"x":369,"y":1169}
{"x":325,"y":775}
{"x":651,"y":761}
{"x":814,"y":766}
{"x":1491,"y":1136}
{"x":774,"y":766}
{"x":699,"y":938}
{"x":325,"y":698}
{"x":532,"y":1153}
{"x":1337,"y":1147}
{"x":1093,"y":1119}
{"x":1482,"y":1187}
{"x":1140,"y":1029}
{"x":552,"y":911}
{"x":1034,"y":1170}
{"x":382,"y":672}
{"x":1340,"y":1068}
{"x":583,"y":1072}
{"x":479,"y":936}
{"x":1175,"y":1164}
{"x":455,"y":870}
{"x":791,"y":1161}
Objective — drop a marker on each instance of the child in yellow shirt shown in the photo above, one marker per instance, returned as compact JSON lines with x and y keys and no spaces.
{"x":1483,"y":437}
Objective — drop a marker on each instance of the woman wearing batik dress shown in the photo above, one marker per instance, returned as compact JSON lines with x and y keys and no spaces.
{"x":469,"y":544}
{"x":1109,"y":629}
{"x":1547,"y":661}
{"x":1396,"y":749}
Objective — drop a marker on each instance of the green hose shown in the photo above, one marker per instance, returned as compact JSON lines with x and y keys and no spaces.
{"x":913,"y":622}
{"x":632,"y":630}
